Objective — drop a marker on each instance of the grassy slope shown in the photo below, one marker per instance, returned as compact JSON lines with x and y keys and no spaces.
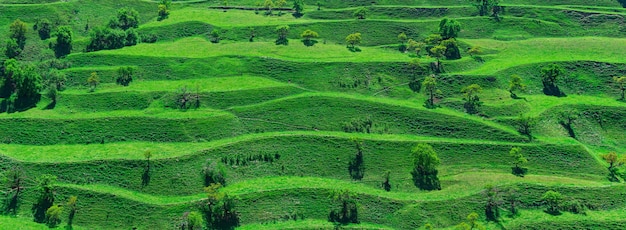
{"x":107,"y":177}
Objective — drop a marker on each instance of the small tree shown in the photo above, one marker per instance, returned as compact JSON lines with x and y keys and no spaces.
{"x":621,"y":84}
{"x":46,"y":186}
{"x":145,"y":178}
{"x":512,"y":198}
{"x":194,"y":221}
{"x":298,"y":7}
{"x":44,"y":28}
{"x":415,"y":46}
{"x":215,"y":36}
{"x":474,"y":50}
{"x":525,"y":125}
{"x":63,"y":46}
{"x":348,"y":211}
{"x":425,"y":162}
{"x":126,"y":18}
{"x":550,"y":76}
{"x":93,"y":81}
{"x":280,"y":4}
{"x":308,"y":36}
{"x":125,"y":75}
{"x":430,"y":86}
{"x":449,"y":28}
{"x":53,"y":215}
{"x":12,"y":49}
{"x":220,"y":208}
{"x":282,"y":32}
{"x":471,"y":223}
{"x":71,"y":205}
{"x":386,"y":183}
{"x":484,"y":7}
{"x":269,"y":5}
{"x":403,"y":39}
{"x":361,"y":13}
{"x":472,"y":101}
{"x":164,"y":9}
{"x":614,"y":163}
{"x":353,"y":40}
{"x":12,"y":182}
{"x":516,"y":85}
{"x":18,"y":31}
{"x":356,"y":166}
{"x":438,"y":52}
{"x":518,"y":161}
{"x":552,"y":200}
{"x":494,"y":200}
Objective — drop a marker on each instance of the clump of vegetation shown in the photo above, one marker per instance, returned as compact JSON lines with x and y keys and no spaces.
{"x":308,"y":37}
{"x":282,"y":32}
{"x":219,"y":208}
{"x":615,"y":162}
{"x":550,"y":76}
{"x":361,"y":13}
{"x":518,"y":161}
{"x":348,"y":207}
{"x":552,"y":200}
{"x":125,"y":75}
{"x":356,"y":167}
{"x":472,"y":101}
{"x":353,"y":40}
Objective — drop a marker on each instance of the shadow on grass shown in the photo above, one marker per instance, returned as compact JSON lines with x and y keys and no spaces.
{"x":519,"y":171}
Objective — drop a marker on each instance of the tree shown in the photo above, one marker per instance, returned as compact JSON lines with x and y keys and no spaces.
{"x":46,"y":184}
{"x":219,"y":208}
{"x":280,"y":4}
{"x":403,"y":39}
{"x":449,"y":28}
{"x":12,"y":49}
{"x":518,"y":161}
{"x":433,"y":39}
{"x":298,"y":7}
{"x":493,"y":202}
{"x":132,"y":37}
{"x":282,"y":32}
{"x":268,"y":4}
{"x":550,"y":76}
{"x":71,"y":205}
{"x":516,"y":85}
{"x":360,"y":13}
{"x":145,"y":178}
{"x":525,"y":125}
{"x":621,"y":83}
{"x":471,"y":223}
{"x":348,"y":211}
{"x":53,"y":215}
{"x":63,"y":45}
{"x":126,"y":18}
{"x":452,"y":51}
{"x":438,"y":52}
{"x":215,"y":36}
{"x":415,"y":46}
{"x":614,"y":163}
{"x":512,"y":198}
{"x":386,"y":183}
{"x":194,"y":220}
{"x":552,"y":200}
{"x":12,"y":180}
{"x":93,"y":81}
{"x":353,"y":40}
{"x":430,"y":86}
{"x":44,"y":28}
{"x":425,"y":162}
{"x":308,"y":36}
{"x":22,"y":82}
{"x":164,"y":8}
{"x":485,"y":6}
{"x":18,"y":31}
{"x":125,"y":75}
{"x":214,"y":173}
{"x":472,"y":101}
{"x":356,"y":166}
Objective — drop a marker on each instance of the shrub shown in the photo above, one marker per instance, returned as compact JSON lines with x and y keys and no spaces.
{"x":125,"y":75}
{"x":44,"y":28}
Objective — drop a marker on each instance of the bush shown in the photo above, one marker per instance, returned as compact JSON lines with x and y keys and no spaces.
{"x":574,"y":206}
{"x":12,"y":49}
{"x":44,"y":28}
{"x":63,"y":46}
{"x":214,"y":173}
{"x":149,"y":38}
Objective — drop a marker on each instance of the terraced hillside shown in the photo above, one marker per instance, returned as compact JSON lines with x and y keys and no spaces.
{"x":204,"y":117}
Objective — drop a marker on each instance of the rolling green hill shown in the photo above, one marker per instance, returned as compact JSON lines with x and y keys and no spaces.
{"x":294,"y":133}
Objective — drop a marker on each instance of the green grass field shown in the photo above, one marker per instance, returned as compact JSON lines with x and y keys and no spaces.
{"x":280,"y":121}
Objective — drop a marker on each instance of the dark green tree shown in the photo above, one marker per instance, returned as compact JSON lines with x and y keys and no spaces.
{"x":44,"y":28}
{"x":353,"y":40}
{"x":552,"y":201}
{"x":387,"y":183}
{"x":525,"y":125}
{"x":12,"y":49}
{"x":449,"y":28}
{"x":516,"y":85}
{"x":71,"y":206}
{"x":53,"y":215}
{"x":125,"y":75}
{"x":298,"y":7}
{"x":430,"y":87}
{"x":282,"y":32}
{"x":425,"y":163}
{"x":485,"y":7}
{"x":621,"y":84}
{"x":518,"y":160}
{"x":164,"y":8}
{"x":472,"y":101}
{"x":361,"y":13}
{"x":18,"y":31}
{"x":348,"y":207}
{"x":63,"y":45}
{"x":215,"y":36}
{"x":493,"y":201}
{"x":46,"y":184}
{"x":550,"y":76}
{"x":132,"y":37}
{"x":126,"y":18}
{"x":22,"y":82}
{"x":12,"y":181}
{"x":219,"y":209}
{"x":356,"y":167}
{"x":308,"y":37}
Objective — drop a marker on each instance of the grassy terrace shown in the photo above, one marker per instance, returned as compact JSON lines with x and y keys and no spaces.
{"x":277,"y":121}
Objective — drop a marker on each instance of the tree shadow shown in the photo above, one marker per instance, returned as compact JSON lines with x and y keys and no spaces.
{"x":427,"y":182}
{"x":51,"y":105}
{"x":39,"y":209}
{"x":553,"y":212}
{"x":354,"y":49}
{"x":519,"y":171}
{"x":309,"y":42}
{"x":568,"y":127}
{"x":12,"y":204}
{"x":553,"y":90}
{"x":348,"y":214}
{"x":297,"y":15}
{"x":145,"y":177}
